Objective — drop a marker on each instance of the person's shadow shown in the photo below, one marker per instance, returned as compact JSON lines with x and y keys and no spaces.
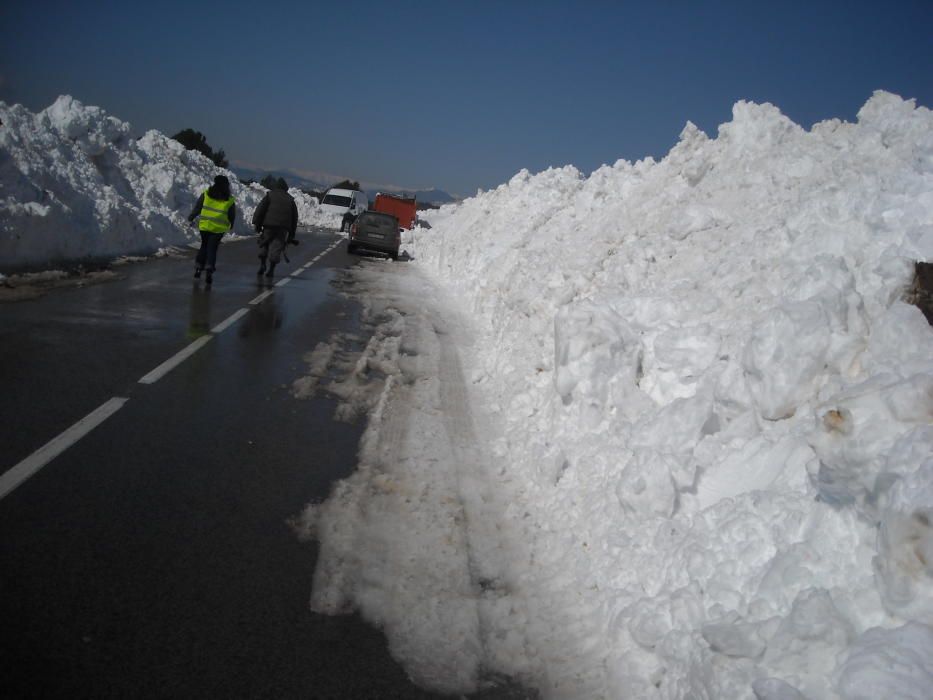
{"x":199,"y":313}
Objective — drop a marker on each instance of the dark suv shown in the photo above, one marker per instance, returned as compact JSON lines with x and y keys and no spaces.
{"x":375,"y":231}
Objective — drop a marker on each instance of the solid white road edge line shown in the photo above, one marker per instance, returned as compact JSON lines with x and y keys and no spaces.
{"x":45,"y":454}
{"x":233,"y":318}
{"x":282,"y":282}
{"x":175,"y":360}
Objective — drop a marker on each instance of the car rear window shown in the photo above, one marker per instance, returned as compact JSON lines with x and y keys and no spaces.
{"x":379,"y":221}
{"x":336,"y":199}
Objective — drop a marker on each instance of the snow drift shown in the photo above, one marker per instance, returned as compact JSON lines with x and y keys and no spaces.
{"x":715,"y":422}
{"x":75,"y":184}
{"x":710,"y":413}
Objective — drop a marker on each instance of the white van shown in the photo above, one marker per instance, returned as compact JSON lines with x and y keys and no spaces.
{"x":348,"y":203}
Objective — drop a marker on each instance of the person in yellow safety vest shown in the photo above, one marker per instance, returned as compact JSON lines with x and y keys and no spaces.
{"x":215,"y":211}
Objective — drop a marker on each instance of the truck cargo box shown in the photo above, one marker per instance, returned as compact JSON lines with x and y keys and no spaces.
{"x":405,"y":209}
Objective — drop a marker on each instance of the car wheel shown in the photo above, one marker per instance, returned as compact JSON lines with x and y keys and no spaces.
{"x":351,"y":248}
{"x":394,"y":256}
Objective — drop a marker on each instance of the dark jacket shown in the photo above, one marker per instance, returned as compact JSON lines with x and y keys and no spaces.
{"x":277,"y":210}
{"x":200,"y":203}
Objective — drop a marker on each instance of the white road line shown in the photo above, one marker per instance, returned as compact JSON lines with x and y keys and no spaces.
{"x":171,"y":363}
{"x":38,"y":459}
{"x":260,"y":297}
{"x":16,"y":475}
{"x":234,"y":317}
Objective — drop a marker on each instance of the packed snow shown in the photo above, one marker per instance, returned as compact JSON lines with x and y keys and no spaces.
{"x":665,"y":431}
{"x":75,"y":184}
{"x":694,"y":458}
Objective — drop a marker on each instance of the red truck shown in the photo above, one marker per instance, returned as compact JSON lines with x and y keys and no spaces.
{"x":405,"y":209}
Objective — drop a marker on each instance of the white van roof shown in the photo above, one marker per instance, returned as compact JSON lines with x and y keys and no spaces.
{"x":341,"y":192}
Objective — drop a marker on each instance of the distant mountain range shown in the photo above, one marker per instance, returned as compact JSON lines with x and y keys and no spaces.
{"x":432,"y":196}
{"x":293,"y":179}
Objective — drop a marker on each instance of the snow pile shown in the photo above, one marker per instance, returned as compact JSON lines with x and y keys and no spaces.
{"x":310,"y":213}
{"x":75,"y":184}
{"x":715,"y":420}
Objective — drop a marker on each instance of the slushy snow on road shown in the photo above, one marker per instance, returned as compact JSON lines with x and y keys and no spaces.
{"x":702,"y":424}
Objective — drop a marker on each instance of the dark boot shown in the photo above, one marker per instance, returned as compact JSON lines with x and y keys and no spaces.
{"x":197,"y":271}
{"x":271,"y":270}
{"x":262,"y":266}
{"x":210,"y":277}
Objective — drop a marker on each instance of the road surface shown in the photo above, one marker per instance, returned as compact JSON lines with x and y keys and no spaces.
{"x":150,"y":556}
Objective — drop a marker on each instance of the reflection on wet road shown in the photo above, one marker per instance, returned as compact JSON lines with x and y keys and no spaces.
{"x":152,"y":557}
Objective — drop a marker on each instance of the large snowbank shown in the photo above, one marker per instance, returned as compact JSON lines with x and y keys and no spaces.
{"x":715,"y":424}
{"x":75,"y":184}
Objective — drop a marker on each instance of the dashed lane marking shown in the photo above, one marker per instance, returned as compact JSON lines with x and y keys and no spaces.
{"x":170,"y":364}
{"x":175,"y":360}
{"x":45,"y":454}
{"x":260,"y":298}
{"x":233,"y":318}
{"x":19,"y":473}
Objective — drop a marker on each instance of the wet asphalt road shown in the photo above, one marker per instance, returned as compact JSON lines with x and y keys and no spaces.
{"x":152,"y":559}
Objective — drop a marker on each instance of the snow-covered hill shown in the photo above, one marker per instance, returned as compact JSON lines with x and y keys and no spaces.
{"x":75,"y":184}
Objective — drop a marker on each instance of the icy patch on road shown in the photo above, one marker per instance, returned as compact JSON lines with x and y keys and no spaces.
{"x":32,"y":285}
{"x":407,"y":539}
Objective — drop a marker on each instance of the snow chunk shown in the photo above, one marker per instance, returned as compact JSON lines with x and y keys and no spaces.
{"x":895,"y":663}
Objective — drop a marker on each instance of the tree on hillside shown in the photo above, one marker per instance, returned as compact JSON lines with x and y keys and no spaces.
{"x":346,"y":185}
{"x":196,"y":141}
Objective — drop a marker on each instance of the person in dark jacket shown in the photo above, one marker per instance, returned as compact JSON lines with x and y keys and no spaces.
{"x":215,"y":211}
{"x":275,"y":220}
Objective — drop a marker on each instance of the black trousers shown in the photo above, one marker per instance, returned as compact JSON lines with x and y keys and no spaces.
{"x":207,"y":253}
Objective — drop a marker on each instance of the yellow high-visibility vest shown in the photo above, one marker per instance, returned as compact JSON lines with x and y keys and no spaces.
{"x":215,"y":214}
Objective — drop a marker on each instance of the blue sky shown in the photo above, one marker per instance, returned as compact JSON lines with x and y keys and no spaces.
{"x":459,"y":95}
